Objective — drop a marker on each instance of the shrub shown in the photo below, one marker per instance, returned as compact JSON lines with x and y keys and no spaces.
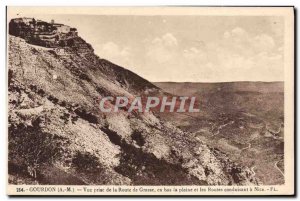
{"x":86,"y":162}
{"x":89,"y":167}
{"x":30,"y":147}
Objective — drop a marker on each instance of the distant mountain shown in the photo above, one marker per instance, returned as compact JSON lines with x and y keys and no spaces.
{"x":189,"y":88}
{"x":58,"y":135}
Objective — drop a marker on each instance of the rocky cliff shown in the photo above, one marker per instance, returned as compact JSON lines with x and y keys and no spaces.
{"x":57,"y":134}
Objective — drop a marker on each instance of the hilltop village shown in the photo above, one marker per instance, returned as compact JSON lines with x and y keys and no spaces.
{"x":50,"y":35}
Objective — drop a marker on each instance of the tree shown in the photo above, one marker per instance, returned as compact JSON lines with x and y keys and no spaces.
{"x":33,"y":22}
{"x":31,"y":147}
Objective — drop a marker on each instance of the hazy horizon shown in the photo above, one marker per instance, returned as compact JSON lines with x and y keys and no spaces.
{"x":217,"y":82}
{"x":185,"y":48}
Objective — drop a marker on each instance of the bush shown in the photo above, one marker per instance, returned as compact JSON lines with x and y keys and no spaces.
{"x":10,"y":76}
{"x":89,"y":167}
{"x":86,"y":162}
{"x":30,"y":147}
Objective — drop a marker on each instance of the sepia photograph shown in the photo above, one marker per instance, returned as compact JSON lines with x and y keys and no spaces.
{"x":150,"y":100}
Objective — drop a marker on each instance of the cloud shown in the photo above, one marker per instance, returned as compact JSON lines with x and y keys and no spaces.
{"x":241,"y":41}
{"x":115,"y":53}
{"x":243,"y":56}
{"x":236,"y":32}
{"x":162,"y":49}
{"x":238,"y":55}
{"x":264,"y":43}
{"x":194,"y":54}
{"x":167,"y":40}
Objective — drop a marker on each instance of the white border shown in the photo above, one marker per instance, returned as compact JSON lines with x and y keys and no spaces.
{"x":3,"y":86}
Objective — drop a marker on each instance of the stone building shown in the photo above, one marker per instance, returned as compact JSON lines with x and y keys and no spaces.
{"x":42,"y":33}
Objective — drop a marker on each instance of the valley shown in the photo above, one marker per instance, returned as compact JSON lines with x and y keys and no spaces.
{"x":242,"y":119}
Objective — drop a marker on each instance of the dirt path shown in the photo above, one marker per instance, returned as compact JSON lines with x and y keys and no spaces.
{"x":275,"y":165}
{"x":245,"y":148}
{"x":221,"y":127}
{"x":252,"y":169}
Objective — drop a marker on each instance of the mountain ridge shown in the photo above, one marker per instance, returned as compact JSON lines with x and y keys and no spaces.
{"x":53,"y":107}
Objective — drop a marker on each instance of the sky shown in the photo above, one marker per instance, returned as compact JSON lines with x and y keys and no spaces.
{"x":186,"y":48}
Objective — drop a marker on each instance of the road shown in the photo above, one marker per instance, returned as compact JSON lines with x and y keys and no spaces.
{"x":222,"y":126}
{"x":275,"y":165}
{"x":252,"y":169}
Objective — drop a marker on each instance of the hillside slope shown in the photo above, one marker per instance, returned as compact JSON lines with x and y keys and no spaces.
{"x":57,"y":134}
{"x":243,"y":119}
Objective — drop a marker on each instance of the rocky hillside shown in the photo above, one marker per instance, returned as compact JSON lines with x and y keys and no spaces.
{"x":243,"y":119}
{"x":57,"y":134}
